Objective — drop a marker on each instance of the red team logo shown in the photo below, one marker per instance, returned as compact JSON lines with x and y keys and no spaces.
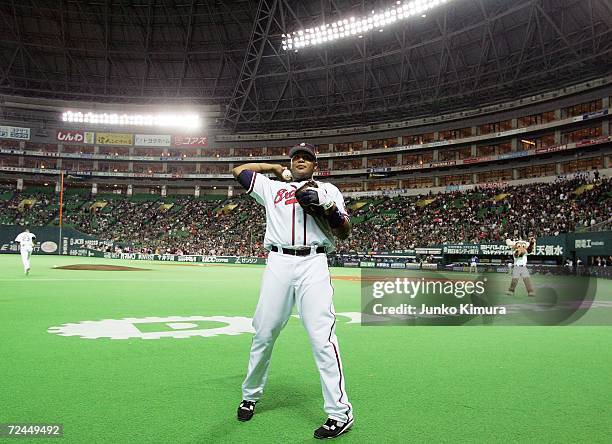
{"x":287,"y":195}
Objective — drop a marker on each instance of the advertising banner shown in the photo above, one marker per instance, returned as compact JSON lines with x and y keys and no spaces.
{"x":114,"y":139}
{"x":477,"y":159}
{"x":551,"y":149}
{"x":595,"y":114}
{"x":428,"y":250}
{"x":594,"y":141}
{"x":74,"y":136}
{"x":513,"y":155}
{"x":14,"y":132}
{"x":193,"y":141}
{"x":367,"y":264}
{"x":592,"y":244}
{"x":152,"y":140}
{"x":543,"y":248}
{"x":70,"y":136}
{"x":442,"y":163}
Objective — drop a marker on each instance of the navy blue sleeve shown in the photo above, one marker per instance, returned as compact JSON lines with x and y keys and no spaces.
{"x":247,"y":179}
{"x":336,"y":218}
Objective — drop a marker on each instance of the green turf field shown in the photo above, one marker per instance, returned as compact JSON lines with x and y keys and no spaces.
{"x":407,"y":384}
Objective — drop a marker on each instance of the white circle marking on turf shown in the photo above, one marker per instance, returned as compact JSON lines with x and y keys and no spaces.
{"x":127,"y":328}
{"x":182,"y":327}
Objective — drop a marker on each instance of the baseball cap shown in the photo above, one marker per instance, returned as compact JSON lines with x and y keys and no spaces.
{"x":303,"y":148}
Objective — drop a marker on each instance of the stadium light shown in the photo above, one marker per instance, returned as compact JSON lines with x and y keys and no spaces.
{"x":357,"y":26}
{"x":190,"y":121}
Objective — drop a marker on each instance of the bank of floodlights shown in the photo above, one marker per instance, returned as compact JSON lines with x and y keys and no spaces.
{"x":191,"y":121}
{"x":357,"y":26}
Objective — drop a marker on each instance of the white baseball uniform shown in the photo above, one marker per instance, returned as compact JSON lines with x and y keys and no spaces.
{"x":26,"y":245}
{"x":303,"y":281}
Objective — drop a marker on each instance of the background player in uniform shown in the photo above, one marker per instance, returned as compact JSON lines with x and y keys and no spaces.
{"x":520,"y":251}
{"x":26,"y":245}
{"x":474,"y":264}
{"x":302,"y":218}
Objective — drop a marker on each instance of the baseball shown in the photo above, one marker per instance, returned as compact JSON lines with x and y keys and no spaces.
{"x":287,"y":175}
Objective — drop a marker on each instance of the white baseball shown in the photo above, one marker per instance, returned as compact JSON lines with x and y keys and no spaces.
{"x":287,"y":175}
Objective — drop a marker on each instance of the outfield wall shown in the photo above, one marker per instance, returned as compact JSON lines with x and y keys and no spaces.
{"x":553,"y":249}
{"x":48,"y":240}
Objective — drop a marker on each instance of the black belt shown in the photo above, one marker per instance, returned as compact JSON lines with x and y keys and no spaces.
{"x":298,"y":251}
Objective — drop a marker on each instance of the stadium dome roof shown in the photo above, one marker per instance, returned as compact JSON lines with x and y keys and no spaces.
{"x":464,"y":54}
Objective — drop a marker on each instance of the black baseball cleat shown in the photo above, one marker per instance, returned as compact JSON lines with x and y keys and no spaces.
{"x":246,"y":409}
{"x":332,"y":429}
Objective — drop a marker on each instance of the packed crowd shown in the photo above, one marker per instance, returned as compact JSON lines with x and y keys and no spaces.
{"x":235,"y":226}
{"x":189,"y":226}
{"x":204,"y":227}
{"x":35,"y":209}
{"x":481,"y":215}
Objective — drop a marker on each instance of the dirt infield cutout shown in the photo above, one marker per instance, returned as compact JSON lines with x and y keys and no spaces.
{"x":97,"y":267}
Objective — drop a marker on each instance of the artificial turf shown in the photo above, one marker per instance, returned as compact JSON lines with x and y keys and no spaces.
{"x":407,"y":384}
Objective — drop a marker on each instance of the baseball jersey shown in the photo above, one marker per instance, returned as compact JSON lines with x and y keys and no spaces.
{"x":25,"y":239}
{"x":287,"y":225}
{"x":474,"y":259}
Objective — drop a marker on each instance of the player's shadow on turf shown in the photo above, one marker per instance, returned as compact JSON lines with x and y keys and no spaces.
{"x":295,"y":401}
{"x":278,"y":395}
{"x":284,"y":396}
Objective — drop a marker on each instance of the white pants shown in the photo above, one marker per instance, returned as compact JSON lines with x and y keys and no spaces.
{"x":25,"y":258}
{"x":474,"y":267}
{"x":305,"y":282}
{"x":520,"y":271}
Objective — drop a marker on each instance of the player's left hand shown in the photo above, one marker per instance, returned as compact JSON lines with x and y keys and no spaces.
{"x":310,"y":195}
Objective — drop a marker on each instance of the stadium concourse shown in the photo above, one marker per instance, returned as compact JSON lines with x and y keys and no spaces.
{"x":216,"y":226}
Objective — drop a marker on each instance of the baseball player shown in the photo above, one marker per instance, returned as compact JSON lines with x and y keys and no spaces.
{"x":474,"y":264}
{"x":302,"y":218}
{"x":520,"y":251}
{"x":26,"y":245}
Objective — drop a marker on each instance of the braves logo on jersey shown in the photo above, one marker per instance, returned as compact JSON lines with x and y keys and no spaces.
{"x":287,"y":195}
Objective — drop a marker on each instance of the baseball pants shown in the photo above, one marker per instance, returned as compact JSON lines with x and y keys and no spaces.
{"x":520,"y":271}
{"x":305,"y":282}
{"x":25,"y":258}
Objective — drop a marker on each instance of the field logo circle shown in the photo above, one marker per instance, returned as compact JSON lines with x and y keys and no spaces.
{"x":178,"y":327}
